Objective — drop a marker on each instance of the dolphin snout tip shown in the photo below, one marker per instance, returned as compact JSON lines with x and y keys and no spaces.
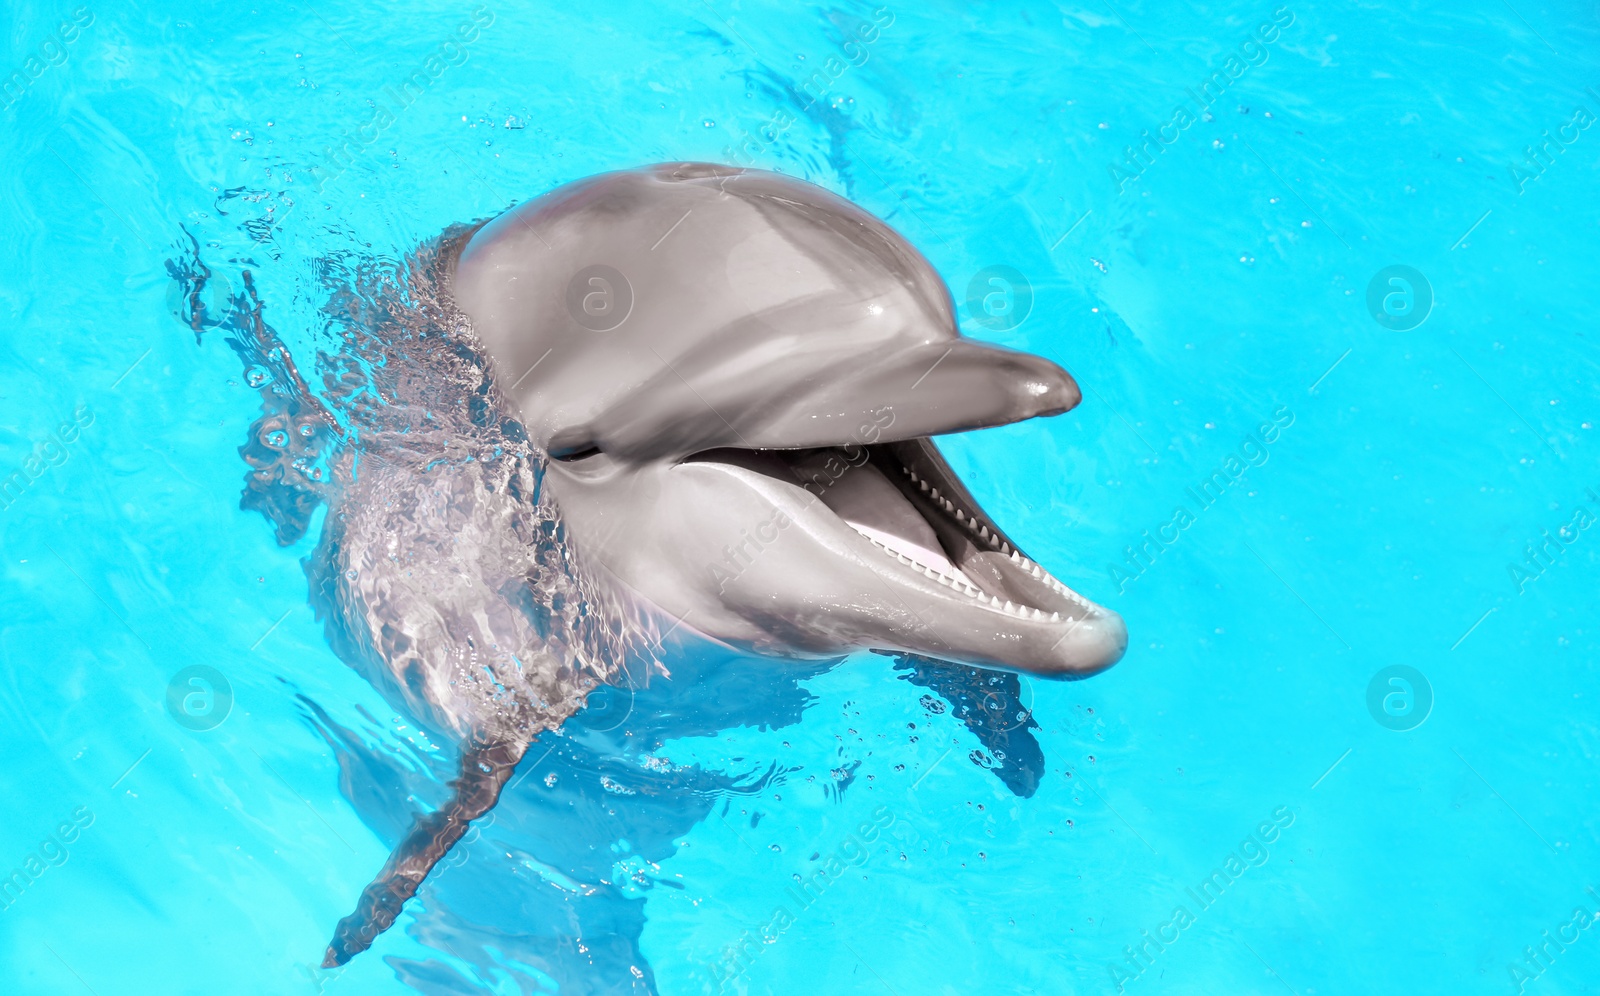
{"x":1052,"y":389}
{"x":1091,"y":646}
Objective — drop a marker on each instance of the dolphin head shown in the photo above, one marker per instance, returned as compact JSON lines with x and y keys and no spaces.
{"x":736,"y":376}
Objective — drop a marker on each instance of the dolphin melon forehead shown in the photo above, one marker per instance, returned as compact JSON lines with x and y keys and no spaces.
{"x":699,"y":266}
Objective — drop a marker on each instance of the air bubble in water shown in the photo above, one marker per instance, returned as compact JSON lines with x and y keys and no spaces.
{"x":258,"y":376}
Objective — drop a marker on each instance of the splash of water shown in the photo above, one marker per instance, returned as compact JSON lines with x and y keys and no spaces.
{"x":443,"y":572}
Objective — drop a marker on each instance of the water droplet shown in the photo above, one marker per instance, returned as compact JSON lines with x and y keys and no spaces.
{"x":306,"y":429}
{"x":351,"y":574}
{"x":709,"y":123}
{"x":258,"y":376}
{"x":277,"y":439}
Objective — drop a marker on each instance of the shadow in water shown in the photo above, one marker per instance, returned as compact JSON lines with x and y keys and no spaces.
{"x":990,"y":704}
{"x":545,"y":891}
{"x":550,"y":888}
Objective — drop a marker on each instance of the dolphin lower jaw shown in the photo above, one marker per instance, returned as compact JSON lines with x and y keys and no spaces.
{"x":875,"y":547}
{"x":1008,"y":610}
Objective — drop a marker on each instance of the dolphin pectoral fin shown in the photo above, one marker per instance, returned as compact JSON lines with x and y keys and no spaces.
{"x":485,"y":769}
{"x":989,"y":704}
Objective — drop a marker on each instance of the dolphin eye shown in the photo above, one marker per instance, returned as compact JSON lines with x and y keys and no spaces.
{"x":571,"y":454}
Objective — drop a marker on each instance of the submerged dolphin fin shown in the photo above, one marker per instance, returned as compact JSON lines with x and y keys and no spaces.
{"x":485,"y":769}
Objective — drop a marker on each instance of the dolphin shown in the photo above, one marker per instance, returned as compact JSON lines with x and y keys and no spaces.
{"x":727,"y":381}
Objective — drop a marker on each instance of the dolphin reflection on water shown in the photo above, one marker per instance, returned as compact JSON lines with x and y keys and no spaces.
{"x":680,"y":405}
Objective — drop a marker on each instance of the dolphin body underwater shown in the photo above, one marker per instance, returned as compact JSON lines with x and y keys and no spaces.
{"x":724,"y":383}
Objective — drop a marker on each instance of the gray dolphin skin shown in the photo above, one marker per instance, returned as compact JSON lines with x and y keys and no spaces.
{"x":747,"y":449}
{"x":736,"y":376}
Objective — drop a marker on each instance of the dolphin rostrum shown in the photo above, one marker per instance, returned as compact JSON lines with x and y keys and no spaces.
{"x":734,"y":376}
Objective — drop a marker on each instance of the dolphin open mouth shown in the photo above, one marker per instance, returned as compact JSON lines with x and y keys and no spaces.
{"x":919,"y":528}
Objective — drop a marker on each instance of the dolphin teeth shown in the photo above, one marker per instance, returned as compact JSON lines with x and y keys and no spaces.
{"x":983,"y":530}
{"x":1010,"y":607}
{"x":1055,"y":617}
{"x":1016,"y":558}
{"x":923,"y":485}
{"x":935,"y":494}
{"x":959,"y":517}
{"x":1038,"y":613}
{"x":1036,"y":572}
{"x":994,"y":541}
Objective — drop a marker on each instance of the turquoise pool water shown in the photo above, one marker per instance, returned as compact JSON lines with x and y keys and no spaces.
{"x":1286,"y":484}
